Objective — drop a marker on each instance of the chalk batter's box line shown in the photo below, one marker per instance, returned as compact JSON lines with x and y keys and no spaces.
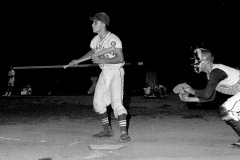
{"x":61,"y":66}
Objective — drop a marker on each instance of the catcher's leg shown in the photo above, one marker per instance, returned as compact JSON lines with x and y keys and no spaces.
{"x":228,"y":118}
{"x":230,"y":112}
{"x":235,"y":126}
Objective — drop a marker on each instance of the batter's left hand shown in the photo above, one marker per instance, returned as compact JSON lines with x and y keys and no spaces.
{"x":97,"y":60}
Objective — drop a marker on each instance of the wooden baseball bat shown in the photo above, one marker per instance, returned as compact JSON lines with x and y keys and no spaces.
{"x":61,"y":66}
{"x":105,"y":51}
{"x":54,"y":66}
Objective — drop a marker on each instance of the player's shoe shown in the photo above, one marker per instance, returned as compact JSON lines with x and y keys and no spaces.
{"x":124,"y":138}
{"x":105,"y":133}
{"x":5,"y":94}
{"x":236,"y":144}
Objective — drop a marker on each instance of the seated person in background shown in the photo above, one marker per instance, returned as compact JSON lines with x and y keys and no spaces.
{"x":148,"y":92}
{"x":162,"y":90}
{"x":157,"y":92}
{"x":27,"y":90}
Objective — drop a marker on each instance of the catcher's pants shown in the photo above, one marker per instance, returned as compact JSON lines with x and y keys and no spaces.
{"x":232,"y":107}
{"x":109,"y":90}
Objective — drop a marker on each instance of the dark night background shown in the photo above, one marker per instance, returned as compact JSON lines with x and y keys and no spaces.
{"x":162,"y":34}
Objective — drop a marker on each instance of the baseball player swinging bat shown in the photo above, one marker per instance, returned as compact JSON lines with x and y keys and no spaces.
{"x":105,"y":51}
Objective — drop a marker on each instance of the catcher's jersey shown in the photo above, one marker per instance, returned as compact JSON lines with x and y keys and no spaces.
{"x":110,"y":40}
{"x":233,"y":74}
{"x":230,"y":85}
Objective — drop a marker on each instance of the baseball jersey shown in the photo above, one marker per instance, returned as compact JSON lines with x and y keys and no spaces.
{"x":233,"y":74}
{"x":108,"y":41}
{"x":223,"y":79}
{"x":229,"y":85}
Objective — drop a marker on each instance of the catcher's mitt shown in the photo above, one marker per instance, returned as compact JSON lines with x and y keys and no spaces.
{"x":183,"y":96}
{"x":180,"y":88}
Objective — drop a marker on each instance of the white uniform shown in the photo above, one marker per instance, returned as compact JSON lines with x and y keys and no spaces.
{"x":230,"y":86}
{"x":11,"y":80}
{"x":109,"y":88}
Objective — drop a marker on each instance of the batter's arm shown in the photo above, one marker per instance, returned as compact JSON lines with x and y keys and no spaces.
{"x":75,"y":62}
{"x":216,"y":76}
{"x":198,"y":99}
{"x":105,"y":51}
{"x":89,"y":55}
{"x":118,"y":58}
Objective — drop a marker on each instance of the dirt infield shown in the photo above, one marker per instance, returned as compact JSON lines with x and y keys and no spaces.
{"x":60,"y":128}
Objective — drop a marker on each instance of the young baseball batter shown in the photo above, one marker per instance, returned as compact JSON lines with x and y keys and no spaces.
{"x":221,"y":78}
{"x":109,"y":87}
{"x":11,"y":80}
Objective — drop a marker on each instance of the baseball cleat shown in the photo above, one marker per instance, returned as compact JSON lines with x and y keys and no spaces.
{"x":104,"y":133}
{"x":124,"y":138}
{"x":236,"y":144}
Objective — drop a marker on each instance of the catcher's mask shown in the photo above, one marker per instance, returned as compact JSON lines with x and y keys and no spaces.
{"x":198,"y":58}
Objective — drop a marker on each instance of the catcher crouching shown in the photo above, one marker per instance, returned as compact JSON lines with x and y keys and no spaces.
{"x":221,"y":78}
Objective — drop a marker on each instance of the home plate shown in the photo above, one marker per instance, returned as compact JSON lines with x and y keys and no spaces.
{"x":105,"y":146}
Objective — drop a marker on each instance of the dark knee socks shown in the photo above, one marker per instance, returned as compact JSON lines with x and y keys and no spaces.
{"x":123,"y":123}
{"x":105,"y":121}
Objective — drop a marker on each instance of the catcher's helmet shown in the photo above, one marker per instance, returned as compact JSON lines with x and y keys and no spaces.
{"x":199,"y":55}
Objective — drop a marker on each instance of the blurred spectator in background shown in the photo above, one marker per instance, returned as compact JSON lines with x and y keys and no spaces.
{"x":11,"y":81}
{"x":163,"y":90}
{"x":160,"y":90}
{"x":94,"y":82}
{"x":148,"y":92}
{"x":27,"y":90}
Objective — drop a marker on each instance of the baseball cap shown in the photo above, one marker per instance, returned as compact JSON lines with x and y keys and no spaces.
{"x":101,"y":17}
